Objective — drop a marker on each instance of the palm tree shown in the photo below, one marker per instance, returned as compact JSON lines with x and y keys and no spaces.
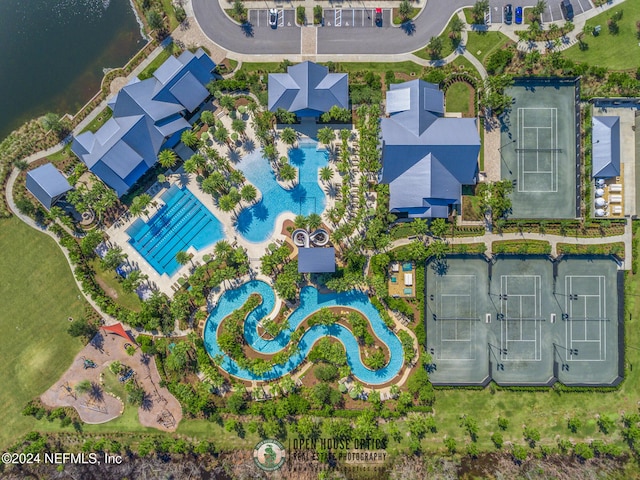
{"x":269,"y":151}
{"x":300,"y":221}
{"x":288,"y":172}
{"x":222,"y":249}
{"x":208,"y":117}
{"x":248,"y":193}
{"x":314,"y":221}
{"x":289,"y":136}
{"x":326,"y":174}
{"x":189,"y":138}
{"x":456,"y":27}
{"x":83,"y":387}
{"x":167,"y":158}
{"x":226,"y":203}
{"x":227,"y":103}
{"x":183,"y":257}
{"x":139,"y":204}
{"x":238,"y":126}
{"x":214,"y":183}
{"x":221,"y":135}
{"x":190,"y":166}
{"x":326,"y":135}
{"x":236,"y":177}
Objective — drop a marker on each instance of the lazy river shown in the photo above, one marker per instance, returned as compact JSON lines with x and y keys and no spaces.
{"x":311,"y":300}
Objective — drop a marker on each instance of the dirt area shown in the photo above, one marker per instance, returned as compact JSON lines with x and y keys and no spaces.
{"x":160,"y":409}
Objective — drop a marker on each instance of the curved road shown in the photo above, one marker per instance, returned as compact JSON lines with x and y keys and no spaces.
{"x":330,"y":40}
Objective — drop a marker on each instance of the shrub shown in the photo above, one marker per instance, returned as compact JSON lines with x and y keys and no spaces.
{"x":497,"y":440}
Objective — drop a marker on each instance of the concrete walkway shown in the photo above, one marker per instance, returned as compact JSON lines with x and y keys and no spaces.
{"x":553,"y":240}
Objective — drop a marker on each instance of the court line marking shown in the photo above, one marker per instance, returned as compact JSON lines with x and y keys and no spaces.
{"x":441,"y":288}
{"x":602,"y":328}
{"x":553,"y":173}
{"x":504,"y":322}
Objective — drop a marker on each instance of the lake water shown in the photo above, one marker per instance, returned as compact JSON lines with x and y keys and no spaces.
{"x":54,"y":52}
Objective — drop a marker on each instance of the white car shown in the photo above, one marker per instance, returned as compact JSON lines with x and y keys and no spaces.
{"x":273,"y":18}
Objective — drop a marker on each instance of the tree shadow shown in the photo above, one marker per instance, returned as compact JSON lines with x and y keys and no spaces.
{"x":408,"y":27}
{"x":147,"y":402}
{"x":249,"y":145}
{"x":96,"y":392}
{"x":247,"y":29}
{"x":440,"y":266}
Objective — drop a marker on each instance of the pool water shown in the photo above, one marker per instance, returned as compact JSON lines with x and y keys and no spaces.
{"x":257,"y":223}
{"x":311,"y":300}
{"x":182,"y":222}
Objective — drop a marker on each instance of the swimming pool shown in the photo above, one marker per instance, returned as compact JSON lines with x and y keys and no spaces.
{"x":257,"y":223}
{"x":182,"y":222}
{"x":311,"y":300}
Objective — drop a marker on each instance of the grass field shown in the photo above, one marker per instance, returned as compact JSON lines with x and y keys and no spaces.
{"x":109,"y":282}
{"x":483,"y":44}
{"x":448,"y":45}
{"x":34,"y":357}
{"x":379,"y":68}
{"x":457,"y":97}
{"x":159,"y":60}
{"x":38,"y":295}
{"x":618,"y":52}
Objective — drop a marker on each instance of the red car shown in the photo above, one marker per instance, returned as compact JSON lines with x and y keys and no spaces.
{"x":379,"y":17}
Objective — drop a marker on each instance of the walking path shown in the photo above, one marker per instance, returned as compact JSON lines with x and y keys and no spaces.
{"x":553,"y":240}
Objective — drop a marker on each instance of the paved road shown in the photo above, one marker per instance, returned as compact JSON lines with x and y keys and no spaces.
{"x":231,"y":36}
{"x":331,"y":40}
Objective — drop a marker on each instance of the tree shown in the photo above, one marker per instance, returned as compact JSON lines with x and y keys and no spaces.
{"x":83,"y":387}
{"x":314,"y":221}
{"x":405,"y":9}
{"x":531,"y":435}
{"x":519,"y":453}
{"x":497,"y":440}
{"x":239,"y":10}
{"x":435,"y":47}
{"x":183,"y":257}
{"x":154,"y":19}
{"x":539,"y":8}
{"x":52,"y":121}
{"x":90,"y":242}
{"x":167,"y":158}
{"x":208,"y":117}
{"x":326,"y":174}
{"x":326,"y":135}
{"x":221,"y":135}
{"x":189,"y":138}
{"x":583,"y":451}
{"x":248,"y":193}
{"x":82,"y":328}
{"x":139,"y":204}
{"x":456,"y":25}
{"x":288,"y":172}
{"x":227,"y":102}
{"x":289,"y":136}
{"x":451,"y":444}
{"x":113,"y":258}
{"x":133,"y":280}
{"x":239,"y":126}
{"x":606,"y":424}
{"x":573,"y":424}
{"x":439,"y":227}
{"x":479,"y":10}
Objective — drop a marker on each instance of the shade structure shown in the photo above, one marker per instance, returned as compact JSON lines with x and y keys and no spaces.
{"x":118,"y":329}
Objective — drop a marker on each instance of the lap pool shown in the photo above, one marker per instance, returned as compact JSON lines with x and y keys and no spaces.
{"x":182,"y":222}
{"x":311,"y":300}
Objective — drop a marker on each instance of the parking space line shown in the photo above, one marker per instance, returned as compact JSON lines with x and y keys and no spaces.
{"x":550,"y":13}
{"x":581,"y":7}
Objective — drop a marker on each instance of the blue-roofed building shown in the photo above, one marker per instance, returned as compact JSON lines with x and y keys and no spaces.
{"x":308,"y":90}
{"x":316,"y":260}
{"x":47,"y":184}
{"x":426,"y":158}
{"x":148,"y":115}
{"x":606,"y":147}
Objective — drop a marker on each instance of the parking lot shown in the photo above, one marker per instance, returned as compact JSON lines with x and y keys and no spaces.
{"x":551,"y":14}
{"x":259,"y":18}
{"x":355,"y":17}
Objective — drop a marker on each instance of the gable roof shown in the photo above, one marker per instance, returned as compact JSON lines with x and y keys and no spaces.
{"x":606,"y":147}
{"x":426,"y":157}
{"x":308,"y":86}
{"x":47,"y":184}
{"x":145,"y":114}
{"x":316,"y":260}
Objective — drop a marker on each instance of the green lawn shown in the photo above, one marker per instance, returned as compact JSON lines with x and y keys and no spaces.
{"x":616,"y":52}
{"x":156,"y":62}
{"x":99,"y":121}
{"x":448,"y":45}
{"x":109,"y":279}
{"x":457,"y":97}
{"x":483,"y":44}
{"x":348,"y":67}
{"x":38,"y":295}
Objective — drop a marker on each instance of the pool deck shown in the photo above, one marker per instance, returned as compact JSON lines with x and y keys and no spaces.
{"x":255,"y":250}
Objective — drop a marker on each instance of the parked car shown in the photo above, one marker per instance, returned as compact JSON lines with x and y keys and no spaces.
{"x":378,"y":17}
{"x":567,"y":10}
{"x":273,"y":18}
{"x":518,"y":15}
{"x":508,"y":13}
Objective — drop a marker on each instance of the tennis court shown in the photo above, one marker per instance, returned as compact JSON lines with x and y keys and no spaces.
{"x":538,"y":148}
{"x":525,"y":320}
